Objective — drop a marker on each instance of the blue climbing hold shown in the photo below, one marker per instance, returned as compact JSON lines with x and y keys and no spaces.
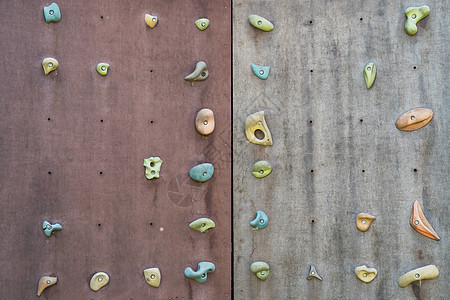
{"x":261,"y":220}
{"x":52,"y":13}
{"x":261,"y":71}
{"x":202,"y":172}
{"x":200,"y":275}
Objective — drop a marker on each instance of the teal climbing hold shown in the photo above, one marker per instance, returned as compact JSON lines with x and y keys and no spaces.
{"x":49,"y":228}
{"x":52,"y":13}
{"x":261,"y":220}
{"x":261,"y":72}
{"x":200,"y":275}
{"x":202,"y":172}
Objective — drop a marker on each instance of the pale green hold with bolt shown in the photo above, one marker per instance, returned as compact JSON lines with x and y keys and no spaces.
{"x":413,"y":15}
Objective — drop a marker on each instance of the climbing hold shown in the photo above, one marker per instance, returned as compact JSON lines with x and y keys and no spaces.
{"x":370,"y":71}
{"x":420,"y":223}
{"x":204,"y":122}
{"x":152,"y":167}
{"x":202,"y":224}
{"x":200,"y":73}
{"x":414,"y":119}
{"x":426,"y":272}
{"x":98,"y":281}
{"x":45,"y":282}
{"x":49,"y":64}
{"x":255,"y":123}
{"x":202,"y":172}
{"x":365,"y":274}
{"x":49,"y":228}
{"x":52,"y":13}
{"x":261,"y":169}
{"x":313,"y":273}
{"x":200,"y":275}
{"x":261,"y":220}
{"x":102,"y":68}
{"x":151,"y":20}
{"x":261,"y":71}
{"x":363,"y":221}
{"x":260,"y":23}
{"x":202,"y":24}
{"x":414,"y":15}
{"x":152,"y":276}
{"x":261,"y":269}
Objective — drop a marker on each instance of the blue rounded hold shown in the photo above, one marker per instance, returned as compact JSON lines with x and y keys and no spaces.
{"x":260,"y":221}
{"x":202,"y":172}
{"x":52,"y":13}
{"x":261,"y":71}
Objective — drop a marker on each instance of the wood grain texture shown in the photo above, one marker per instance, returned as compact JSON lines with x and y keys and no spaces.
{"x":336,"y":151}
{"x":76,"y":123}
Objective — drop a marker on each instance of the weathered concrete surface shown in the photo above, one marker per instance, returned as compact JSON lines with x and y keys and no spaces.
{"x":336,"y":150}
{"x":118,"y":221}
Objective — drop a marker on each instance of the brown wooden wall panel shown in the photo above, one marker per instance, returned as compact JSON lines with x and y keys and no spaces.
{"x":76,"y":124}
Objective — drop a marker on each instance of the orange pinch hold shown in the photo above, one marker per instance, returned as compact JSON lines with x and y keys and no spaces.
{"x":420,"y":223}
{"x":363,"y":221}
{"x":414,"y":119}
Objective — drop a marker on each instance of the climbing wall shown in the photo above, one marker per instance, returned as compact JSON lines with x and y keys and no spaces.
{"x":336,"y":151}
{"x":73,"y":143}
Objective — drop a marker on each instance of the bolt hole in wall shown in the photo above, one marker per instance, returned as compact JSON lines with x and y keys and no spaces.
{"x":360,"y":19}
{"x":48,"y":119}
{"x":101,"y":17}
{"x":363,"y":171}
{"x":311,"y":71}
{"x":151,"y":224}
{"x":259,"y":134}
{"x":415,"y":170}
{"x":151,"y":122}
{"x":361,"y":120}
{"x":101,"y":121}
{"x":101,"y":173}
{"x":99,"y":224}
{"x":310,"y":121}
{"x":49,"y":173}
{"x":312,"y":221}
{"x":151,"y":71}
{"x":414,"y":67}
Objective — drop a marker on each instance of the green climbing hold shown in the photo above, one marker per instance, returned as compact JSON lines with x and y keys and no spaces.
{"x":261,"y":169}
{"x":202,"y":24}
{"x":202,"y":224}
{"x":102,"y":68}
{"x":370,"y":71}
{"x":414,"y":15}
{"x":260,"y":23}
{"x":261,"y":269}
{"x":52,"y":13}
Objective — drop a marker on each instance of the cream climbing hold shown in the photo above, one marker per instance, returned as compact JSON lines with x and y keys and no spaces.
{"x":261,"y":269}
{"x":98,"y":281}
{"x":200,"y":73}
{"x":365,"y":274}
{"x":261,"y":169}
{"x":150,"y":20}
{"x":313,"y":273}
{"x":363,"y":221}
{"x":370,"y":72}
{"x":420,"y":223}
{"x":260,"y":23}
{"x":414,"y":119}
{"x":102,"y":68}
{"x":153,"y":277}
{"x":202,"y":224}
{"x":414,"y":15}
{"x":152,"y":167}
{"x":256,"y":124}
{"x":45,"y":282}
{"x":204,"y":121}
{"x":202,"y":24}
{"x":49,"y":64}
{"x":426,"y":272}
